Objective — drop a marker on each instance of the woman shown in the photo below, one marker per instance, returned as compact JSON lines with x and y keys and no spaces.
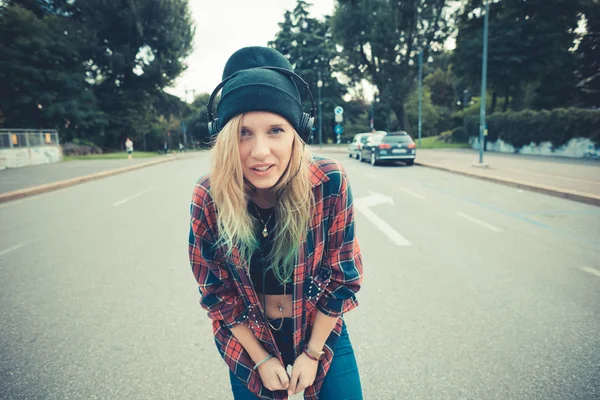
{"x":272,"y":241}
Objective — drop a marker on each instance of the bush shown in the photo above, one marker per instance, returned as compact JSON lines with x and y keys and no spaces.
{"x":459,"y":135}
{"x":557,"y":126}
{"x":80,"y":147}
{"x":445,"y":137}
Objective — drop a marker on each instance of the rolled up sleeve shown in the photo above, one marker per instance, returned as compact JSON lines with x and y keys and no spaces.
{"x":343,"y":256}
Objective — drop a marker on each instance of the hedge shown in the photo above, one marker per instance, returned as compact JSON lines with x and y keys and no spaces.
{"x":557,"y":126}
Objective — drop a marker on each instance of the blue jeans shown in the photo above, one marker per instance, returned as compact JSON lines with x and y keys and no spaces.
{"x":342,"y":381}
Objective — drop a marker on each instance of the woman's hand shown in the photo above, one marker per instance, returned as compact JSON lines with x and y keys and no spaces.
{"x":304,"y":373}
{"x":273,"y":375}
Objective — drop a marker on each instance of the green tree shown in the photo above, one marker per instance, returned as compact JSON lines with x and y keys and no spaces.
{"x":441,"y":85}
{"x":382,"y":39}
{"x":308,"y":44}
{"x":528,"y":43}
{"x":133,"y":50}
{"x":588,"y":54}
{"x":42,"y":75}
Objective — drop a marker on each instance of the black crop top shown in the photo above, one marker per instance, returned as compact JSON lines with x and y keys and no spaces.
{"x":257,"y":263}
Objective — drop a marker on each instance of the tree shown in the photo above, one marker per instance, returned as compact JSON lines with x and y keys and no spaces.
{"x":441,"y":85}
{"x":42,"y":76}
{"x":528,"y":42}
{"x":93,"y":68}
{"x":382,"y":39}
{"x":308,"y":45}
{"x":134,"y":49}
{"x":588,"y":54}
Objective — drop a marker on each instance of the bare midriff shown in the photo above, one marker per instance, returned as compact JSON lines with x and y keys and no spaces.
{"x":274,"y":303}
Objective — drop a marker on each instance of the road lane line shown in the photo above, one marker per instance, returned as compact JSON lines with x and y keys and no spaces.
{"x":418,"y":196}
{"x":475,"y":220}
{"x":591,"y":271}
{"x":10,"y":249}
{"x":383,"y":226}
{"x":125,"y":200}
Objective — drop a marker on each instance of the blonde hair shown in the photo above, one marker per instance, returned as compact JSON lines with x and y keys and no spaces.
{"x":231,"y":194}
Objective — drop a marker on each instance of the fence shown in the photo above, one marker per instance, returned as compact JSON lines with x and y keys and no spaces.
{"x":16,"y":138}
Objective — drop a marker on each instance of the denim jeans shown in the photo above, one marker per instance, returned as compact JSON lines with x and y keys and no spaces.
{"x":342,"y":381}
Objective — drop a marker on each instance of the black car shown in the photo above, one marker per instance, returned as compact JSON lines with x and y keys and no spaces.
{"x":389,"y":147}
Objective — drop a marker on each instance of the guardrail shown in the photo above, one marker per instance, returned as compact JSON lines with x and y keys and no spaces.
{"x":16,"y":138}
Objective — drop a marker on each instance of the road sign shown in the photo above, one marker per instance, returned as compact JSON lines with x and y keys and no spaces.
{"x":339,"y":118}
{"x":339,"y":130}
{"x":338,"y":110}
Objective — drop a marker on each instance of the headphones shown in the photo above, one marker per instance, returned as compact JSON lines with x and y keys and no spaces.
{"x":306,"y":122}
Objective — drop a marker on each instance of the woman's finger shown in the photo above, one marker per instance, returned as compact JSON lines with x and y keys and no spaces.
{"x":302,"y":384}
{"x":283,"y":377}
{"x":294,"y":380}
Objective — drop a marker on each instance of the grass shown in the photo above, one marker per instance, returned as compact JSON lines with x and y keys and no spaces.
{"x":432,"y":143}
{"x":112,"y":156}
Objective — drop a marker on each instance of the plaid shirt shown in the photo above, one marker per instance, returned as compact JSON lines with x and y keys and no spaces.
{"x":326,"y":277}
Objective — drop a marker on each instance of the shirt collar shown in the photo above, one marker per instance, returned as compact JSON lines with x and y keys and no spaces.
{"x":317,"y":176}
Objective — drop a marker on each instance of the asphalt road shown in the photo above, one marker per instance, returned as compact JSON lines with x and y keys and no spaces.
{"x":472,"y":290}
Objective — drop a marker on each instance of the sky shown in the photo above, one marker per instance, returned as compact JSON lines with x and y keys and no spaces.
{"x":224,"y":26}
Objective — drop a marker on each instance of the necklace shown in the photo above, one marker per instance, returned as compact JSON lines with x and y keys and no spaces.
{"x":265,"y":231}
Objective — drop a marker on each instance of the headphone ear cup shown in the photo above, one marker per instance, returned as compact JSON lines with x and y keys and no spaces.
{"x":213,"y":127}
{"x":306,"y":124}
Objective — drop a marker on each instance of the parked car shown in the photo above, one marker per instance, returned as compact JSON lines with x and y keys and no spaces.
{"x":356,"y":144}
{"x":389,"y":147}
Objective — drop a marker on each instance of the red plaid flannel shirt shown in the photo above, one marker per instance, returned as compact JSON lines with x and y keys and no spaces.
{"x":327,"y":276}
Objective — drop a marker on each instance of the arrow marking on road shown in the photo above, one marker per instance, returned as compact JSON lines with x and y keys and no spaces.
{"x":363,"y":204}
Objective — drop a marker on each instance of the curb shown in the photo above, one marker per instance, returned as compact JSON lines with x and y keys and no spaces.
{"x":48,"y":187}
{"x":581,"y":197}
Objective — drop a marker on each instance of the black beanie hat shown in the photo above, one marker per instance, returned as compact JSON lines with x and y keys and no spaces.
{"x":253,"y":89}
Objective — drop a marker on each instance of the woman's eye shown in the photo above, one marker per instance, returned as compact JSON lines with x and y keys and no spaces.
{"x":276,"y":131}
{"x":245,"y":133}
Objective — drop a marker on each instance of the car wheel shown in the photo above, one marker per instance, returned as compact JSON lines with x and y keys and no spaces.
{"x":373,"y":160}
{"x":409,"y":162}
{"x":350,"y":155}
{"x":357,"y":156}
{"x":360,"y":157}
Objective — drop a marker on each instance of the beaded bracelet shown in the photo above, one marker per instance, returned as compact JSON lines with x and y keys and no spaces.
{"x":266,"y":358}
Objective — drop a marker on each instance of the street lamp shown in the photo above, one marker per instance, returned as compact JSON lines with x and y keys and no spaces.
{"x":420,"y":92}
{"x":319,"y":86}
{"x":483,"y":81}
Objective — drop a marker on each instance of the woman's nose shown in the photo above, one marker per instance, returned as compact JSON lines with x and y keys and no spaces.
{"x":260,"y":147}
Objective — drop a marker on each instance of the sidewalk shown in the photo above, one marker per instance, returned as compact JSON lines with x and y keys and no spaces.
{"x":27,"y":181}
{"x":575,"y":179}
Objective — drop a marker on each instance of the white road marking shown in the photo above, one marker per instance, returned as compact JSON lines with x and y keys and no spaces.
{"x":418,"y":196}
{"x":475,"y":220}
{"x":362,"y":205}
{"x":118,"y":203}
{"x":383,"y":226}
{"x":591,"y":271}
{"x":10,"y":249}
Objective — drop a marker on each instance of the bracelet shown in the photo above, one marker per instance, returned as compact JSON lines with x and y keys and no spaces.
{"x":309,"y":356}
{"x":266,"y":358}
